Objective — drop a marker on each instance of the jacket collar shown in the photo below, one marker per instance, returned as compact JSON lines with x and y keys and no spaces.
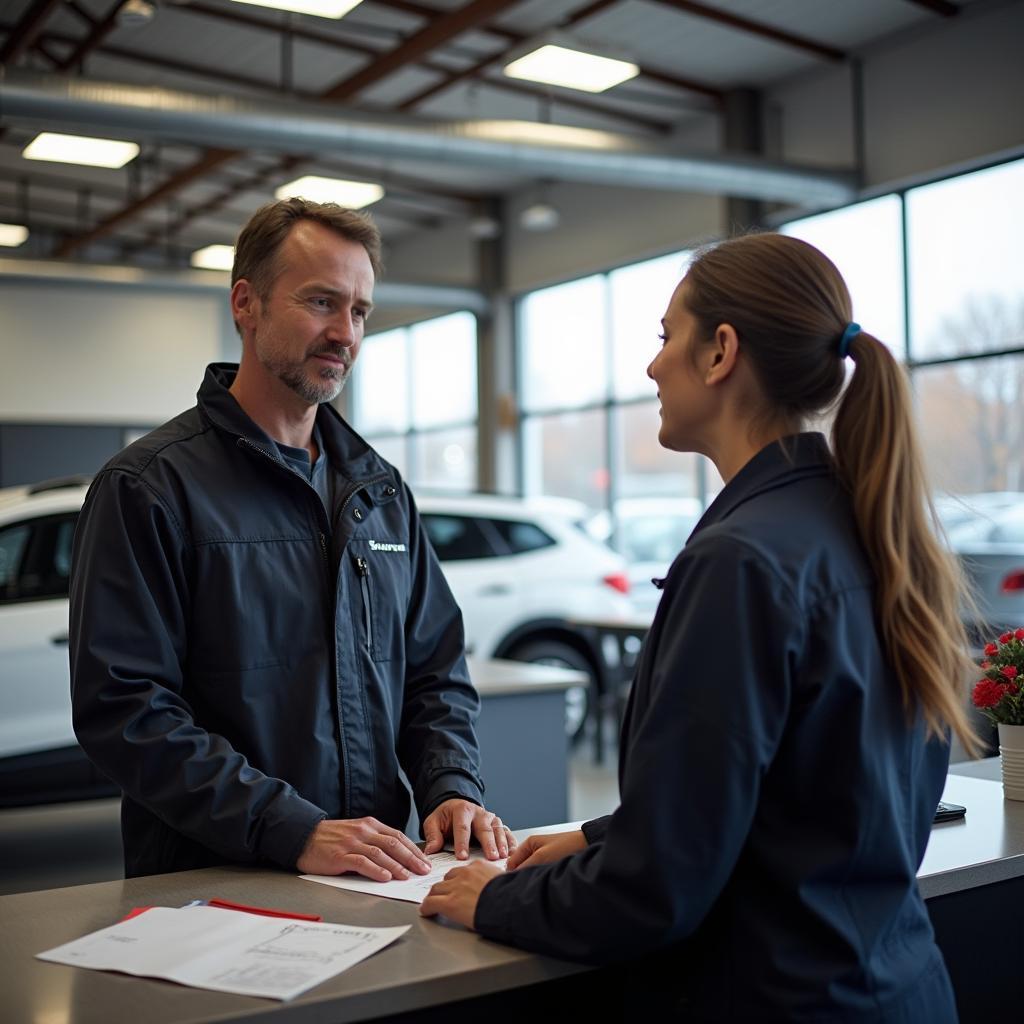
{"x":346,"y":451}
{"x":780,"y":463}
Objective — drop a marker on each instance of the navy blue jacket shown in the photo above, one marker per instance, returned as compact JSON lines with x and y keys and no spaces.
{"x":242,"y":666}
{"x":775,"y":800}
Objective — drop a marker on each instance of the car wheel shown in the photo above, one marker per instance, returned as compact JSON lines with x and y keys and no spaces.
{"x":562,"y":655}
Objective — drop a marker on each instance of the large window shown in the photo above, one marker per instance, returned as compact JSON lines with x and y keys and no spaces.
{"x":966,"y":273}
{"x":590,"y":412}
{"x":865,"y":242}
{"x":414,"y":397}
{"x":961,"y":329}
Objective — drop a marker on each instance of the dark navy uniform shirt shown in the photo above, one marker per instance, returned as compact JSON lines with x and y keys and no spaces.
{"x":776,"y":798}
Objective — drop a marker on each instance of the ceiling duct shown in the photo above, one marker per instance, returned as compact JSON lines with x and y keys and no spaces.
{"x":385,"y":293}
{"x":556,"y":152}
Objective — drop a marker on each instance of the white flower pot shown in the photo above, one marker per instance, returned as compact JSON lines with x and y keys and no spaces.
{"x":1011,"y":753}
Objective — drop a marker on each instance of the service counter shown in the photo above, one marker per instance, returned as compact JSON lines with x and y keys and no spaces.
{"x":972,"y":878}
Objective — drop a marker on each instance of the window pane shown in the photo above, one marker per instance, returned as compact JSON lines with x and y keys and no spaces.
{"x":964,"y":242}
{"x":12,"y":546}
{"x":445,"y":459}
{"x":394,"y":450}
{"x":864,"y":242}
{"x":563,"y":349}
{"x":456,"y":538}
{"x":444,"y":370}
{"x":643,"y":467}
{"x":972,"y":422}
{"x":521,"y":537}
{"x":564,"y":455}
{"x":381,"y":384}
{"x":639,"y":298}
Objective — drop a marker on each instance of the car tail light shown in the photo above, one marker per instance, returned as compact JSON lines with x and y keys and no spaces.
{"x":1013,"y":583}
{"x":618,"y":581}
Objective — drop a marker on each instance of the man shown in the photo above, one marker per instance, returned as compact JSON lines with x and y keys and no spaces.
{"x":261,"y":636}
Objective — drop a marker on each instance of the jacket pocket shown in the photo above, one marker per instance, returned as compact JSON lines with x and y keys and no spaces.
{"x":382,"y":584}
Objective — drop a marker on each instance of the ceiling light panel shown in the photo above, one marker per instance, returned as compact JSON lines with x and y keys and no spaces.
{"x":553,"y":64}
{"x":80,"y":149}
{"x":353,"y":195}
{"x":319,"y":8}
{"x":214,"y":257}
{"x":12,"y":234}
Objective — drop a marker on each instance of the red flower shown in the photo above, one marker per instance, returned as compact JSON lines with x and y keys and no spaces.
{"x":1018,"y":634}
{"x":991,"y":649}
{"x":1006,"y":638}
{"x":987,"y":694}
{"x":1012,"y":688}
{"x":1009,"y":671}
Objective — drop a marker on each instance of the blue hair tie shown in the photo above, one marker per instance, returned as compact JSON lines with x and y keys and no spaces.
{"x":852,"y":330}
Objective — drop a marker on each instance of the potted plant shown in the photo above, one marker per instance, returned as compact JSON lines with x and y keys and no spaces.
{"x":999,"y":695}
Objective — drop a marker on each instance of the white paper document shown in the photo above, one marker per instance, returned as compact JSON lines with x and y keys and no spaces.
{"x":226,"y":950}
{"x":414,"y":889}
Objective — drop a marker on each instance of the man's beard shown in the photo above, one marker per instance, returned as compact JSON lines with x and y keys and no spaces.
{"x":321,"y":385}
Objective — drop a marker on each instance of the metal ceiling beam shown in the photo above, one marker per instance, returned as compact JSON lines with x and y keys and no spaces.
{"x":100,"y":30}
{"x":470,"y":16}
{"x":341,"y":43}
{"x":210,"y":159}
{"x":756,"y":28}
{"x":516,"y":38}
{"x":514,"y":147}
{"x":24,"y":33}
{"x":440,"y":30}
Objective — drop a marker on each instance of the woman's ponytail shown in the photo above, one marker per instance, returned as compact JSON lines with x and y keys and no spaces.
{"x":920,"y":591}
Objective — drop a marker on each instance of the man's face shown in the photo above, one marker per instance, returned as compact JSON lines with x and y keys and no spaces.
{"x":309,"y":328}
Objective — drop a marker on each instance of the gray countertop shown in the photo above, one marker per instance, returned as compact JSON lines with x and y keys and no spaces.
{"x":494,"y":677}
{"x":431,"y":965}
{"x":985,"y":846}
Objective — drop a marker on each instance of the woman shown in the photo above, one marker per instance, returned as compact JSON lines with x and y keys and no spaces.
{"x":785,"y":744}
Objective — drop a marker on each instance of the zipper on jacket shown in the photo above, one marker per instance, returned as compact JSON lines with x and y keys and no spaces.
{"x":363,"y":569}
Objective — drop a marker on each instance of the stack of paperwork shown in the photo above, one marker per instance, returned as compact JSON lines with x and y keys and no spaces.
{"x":225,"y":950}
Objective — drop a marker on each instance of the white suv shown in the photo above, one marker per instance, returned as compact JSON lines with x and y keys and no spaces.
{"x":521,"y":571}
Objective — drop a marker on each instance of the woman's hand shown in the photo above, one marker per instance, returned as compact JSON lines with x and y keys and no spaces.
{"x":458,"y":893}
{"x":546,"y":848}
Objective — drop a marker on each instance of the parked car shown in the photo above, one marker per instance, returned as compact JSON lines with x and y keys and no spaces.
{"x":521,"y":572}
{"x":990,"y":547}
{"x":648,"y":533}
{"x":39,"y":756}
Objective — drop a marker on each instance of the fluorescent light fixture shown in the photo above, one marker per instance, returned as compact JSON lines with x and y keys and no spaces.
{"x":571,"y":68}
{"x":353,"y":195}
{"x":214,"y":257}
{"x":13,"y":234}
{"x":319,"y":8}
{"x":79,"y":149}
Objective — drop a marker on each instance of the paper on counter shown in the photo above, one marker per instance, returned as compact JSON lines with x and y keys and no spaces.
{"x":225,"y":950}
{"x":414,"y":889}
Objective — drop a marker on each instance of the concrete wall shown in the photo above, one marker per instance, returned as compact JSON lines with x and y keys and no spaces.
{"x":110,"y":354}
{"x":936,"y":96}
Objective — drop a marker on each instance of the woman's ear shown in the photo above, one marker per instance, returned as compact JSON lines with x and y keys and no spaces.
{"x":721,"y":354}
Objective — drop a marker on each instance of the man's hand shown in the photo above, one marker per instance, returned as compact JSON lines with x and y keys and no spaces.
{"x":546,"y":848}
{"x":363,"y":846}
{"x":457,"y":895}
{"x":460,"y":820}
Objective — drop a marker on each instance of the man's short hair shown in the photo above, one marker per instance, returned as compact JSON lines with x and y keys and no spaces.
{"x":261,"y":239}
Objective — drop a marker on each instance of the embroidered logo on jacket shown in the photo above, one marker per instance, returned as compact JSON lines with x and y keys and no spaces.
{"x":380,"y":545}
